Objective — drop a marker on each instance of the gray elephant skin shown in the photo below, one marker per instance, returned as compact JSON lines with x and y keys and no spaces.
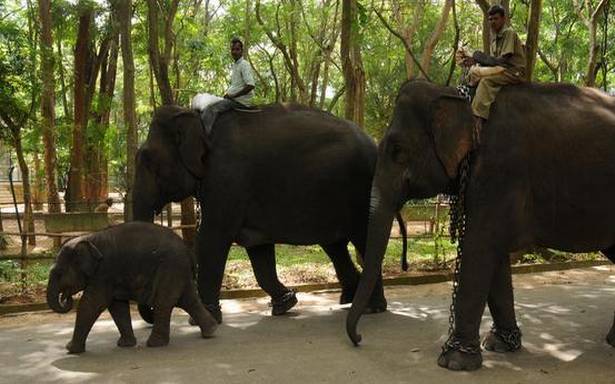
{"x":133,"y":261}
{"x":288,"y":174}
{"x":543,"y":175}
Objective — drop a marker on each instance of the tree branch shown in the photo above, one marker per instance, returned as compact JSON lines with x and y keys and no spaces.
{"x":400,"y":37}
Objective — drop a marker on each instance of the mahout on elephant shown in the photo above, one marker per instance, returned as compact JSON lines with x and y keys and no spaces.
{"x":136,"y":261}
{"x":543,"y":175}
{"x":288,"y":174}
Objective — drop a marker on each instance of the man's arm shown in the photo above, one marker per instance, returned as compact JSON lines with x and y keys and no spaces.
{"x":490,"y":61}
{"x":242,"y":92}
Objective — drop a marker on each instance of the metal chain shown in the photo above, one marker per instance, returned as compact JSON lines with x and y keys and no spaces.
{"x":458,"y":222}
{"x":198,"y":212}
{"x":510,"y":337}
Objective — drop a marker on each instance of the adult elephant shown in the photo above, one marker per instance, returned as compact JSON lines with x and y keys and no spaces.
{"x":543,"y":175}
{"x":287,"y":174}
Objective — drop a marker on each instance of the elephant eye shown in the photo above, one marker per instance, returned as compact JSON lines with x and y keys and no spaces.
{"x":398,"y":154}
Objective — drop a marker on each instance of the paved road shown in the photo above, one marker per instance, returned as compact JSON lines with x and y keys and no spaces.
{"x":564,"y":318}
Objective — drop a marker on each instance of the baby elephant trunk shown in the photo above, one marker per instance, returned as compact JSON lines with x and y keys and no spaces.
{"x":57,"y":301}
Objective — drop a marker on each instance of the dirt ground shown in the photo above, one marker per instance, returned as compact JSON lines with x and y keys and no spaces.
{"x":564,"y":317}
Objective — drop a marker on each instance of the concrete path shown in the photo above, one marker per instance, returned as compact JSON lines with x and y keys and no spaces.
{"x":564,"y":317}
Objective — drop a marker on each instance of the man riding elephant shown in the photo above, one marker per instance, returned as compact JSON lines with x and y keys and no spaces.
{"x":506,"y":64}
{"x":241,"y":90}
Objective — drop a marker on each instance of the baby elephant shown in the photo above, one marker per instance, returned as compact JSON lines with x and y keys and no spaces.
{"x":132,"y":261}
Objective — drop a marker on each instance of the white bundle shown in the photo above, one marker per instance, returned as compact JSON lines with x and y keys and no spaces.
{"x":204,"y":100}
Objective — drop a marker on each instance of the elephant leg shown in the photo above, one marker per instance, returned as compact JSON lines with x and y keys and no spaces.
{"x":212,"y":249}
{"x":505,"y":335}
{"x":120,"y":312}
{"x":190,"y":302}
{"x":377,"y":302}
{"x":92,"y":304}
{"x":346,"y":272}
{"x":160,"y":332}
{"x":462,"y":351}
{"x":262,"y":258}
{"x":610,"y":337}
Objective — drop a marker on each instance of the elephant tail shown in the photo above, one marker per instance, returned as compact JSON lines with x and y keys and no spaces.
{"x":404,"y":241}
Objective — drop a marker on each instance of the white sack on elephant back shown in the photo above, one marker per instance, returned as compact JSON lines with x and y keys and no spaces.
{"x":203,"y":100}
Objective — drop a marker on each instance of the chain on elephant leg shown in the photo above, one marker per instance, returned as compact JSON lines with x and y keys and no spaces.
{"x":284,"y":303}
{"x":503,"y":340}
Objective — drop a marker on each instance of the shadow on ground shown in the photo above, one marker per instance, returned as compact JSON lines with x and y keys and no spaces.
{"x":564,"y":317}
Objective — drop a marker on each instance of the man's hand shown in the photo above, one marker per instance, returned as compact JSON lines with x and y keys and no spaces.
{"x":469,"y":61}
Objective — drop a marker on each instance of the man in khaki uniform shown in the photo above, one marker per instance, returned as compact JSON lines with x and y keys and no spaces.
{"x":506,"y":59}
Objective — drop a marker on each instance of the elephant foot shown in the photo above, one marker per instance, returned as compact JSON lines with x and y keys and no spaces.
{"x":610,"y":338}
{"x":283,"y":304}
{"x":74,"y":348}
{"x":457,"y":357}
{"x":503,"y":340}
{"x":377,"y":305}
{"x":156,"y":340}
{"x":214,"y":310}
{"x":125,"y":342}
{"x":208,"y":331}
{"x":347,"y":296}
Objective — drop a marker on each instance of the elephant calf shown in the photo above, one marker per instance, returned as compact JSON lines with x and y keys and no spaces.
{"x":132,"y":261}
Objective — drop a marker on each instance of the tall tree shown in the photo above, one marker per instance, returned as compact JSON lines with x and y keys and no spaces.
{"x":531,"y":42}
{"x":435,"y":36}
{"x":407,"y":31}
{"x":352,"y":63}
{"x":48,"y":103}
{"x":159,"y":62}
{"x":75,"y":196}
{"x":123,"y":9}
{"x":160,"y":59}
{"x":590,"y":15}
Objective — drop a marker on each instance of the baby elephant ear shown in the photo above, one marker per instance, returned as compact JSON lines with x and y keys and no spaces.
{"x":451,"y":125}
{"x":191,"y":141}
{"x":88,"y":257}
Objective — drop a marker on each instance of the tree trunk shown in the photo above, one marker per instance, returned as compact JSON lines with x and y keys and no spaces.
{"x":65,"y":105}
{"x":591,"y":21}
{"x":435,"y":37}
{"x":39,"y":189}
{"x":352,"y":65}
{"x":124,"y":13}
{"x":159,"y":61}
{"x":408,"y":32}
{"x":531,"y":43}
{"x":48,"y":106}
{"x":484,"y":7}
{"x":74,"y":196}
{"x":27,"y":195}
{"x":97,"y":157}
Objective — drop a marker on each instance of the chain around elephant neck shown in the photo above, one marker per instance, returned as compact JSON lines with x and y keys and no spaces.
{"x":458,"y":222}
{"x":199,"y":211}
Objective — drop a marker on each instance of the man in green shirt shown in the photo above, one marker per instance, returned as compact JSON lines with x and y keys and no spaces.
{"x":507,"y":53}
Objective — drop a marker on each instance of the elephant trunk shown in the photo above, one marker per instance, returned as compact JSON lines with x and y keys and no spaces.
{"x":57,"y":301}
{"x":145,"y":193}
{"x":382,"y":212}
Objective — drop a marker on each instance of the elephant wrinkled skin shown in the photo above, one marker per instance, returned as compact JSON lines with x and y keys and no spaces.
{"x":543,"y":175}
{"x":132,"y":261}
{"x":288,"y":174}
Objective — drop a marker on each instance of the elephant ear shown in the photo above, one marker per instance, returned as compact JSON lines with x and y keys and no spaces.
{"x":191,"y":142}
{"x":88,"y":256}
{"x":452,"y":131}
